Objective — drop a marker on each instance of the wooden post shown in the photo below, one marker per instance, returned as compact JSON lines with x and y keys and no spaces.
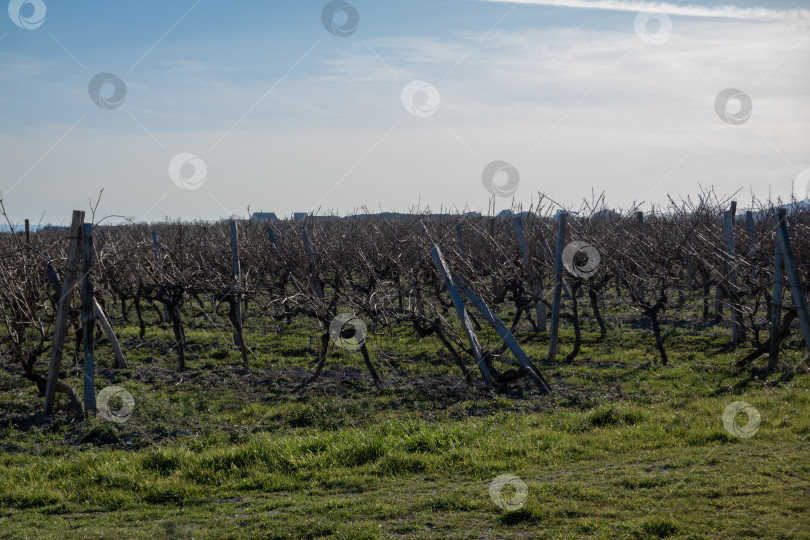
{"x":236,"y":306}
{"x":752,"y":247}
{"x":87,"y":319}
{"x":444,"y":271}
{"x":60,"y":324}
{"x":27,"y":231}
{"x":101,"y":317}
{"x":505,"y":334}
{"x":719,"y":295}
{"x":156,"y":248}
{"x":460,"y":242}
{"x":796,"y":287}
{"x":313,"y":265}
{"x":548,"y":253}
{"x":558,"y":278}
{"x":540,"y":307}
{"x":237,"y":271}
{"x":496,"y":288}
{"x":159,"y":266}
{"x":776,"y":296}
{"x":641,"y":291}
{"x":737,"y":327}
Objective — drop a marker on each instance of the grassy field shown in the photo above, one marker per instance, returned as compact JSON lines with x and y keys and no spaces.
{"x":623,"y":448}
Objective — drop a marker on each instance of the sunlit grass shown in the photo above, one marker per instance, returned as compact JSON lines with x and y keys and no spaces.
{"x":624,"y":447}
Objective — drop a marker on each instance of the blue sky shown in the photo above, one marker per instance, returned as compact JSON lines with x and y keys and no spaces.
{"x":288,"y":117}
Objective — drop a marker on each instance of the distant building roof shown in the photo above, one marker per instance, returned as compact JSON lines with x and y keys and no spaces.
{"x":263,"y":216}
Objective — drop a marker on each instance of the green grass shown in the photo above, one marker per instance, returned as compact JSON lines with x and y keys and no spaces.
{"x":623,"y":448}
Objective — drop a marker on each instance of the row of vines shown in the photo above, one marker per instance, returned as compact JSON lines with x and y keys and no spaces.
{"x":672,"y":263}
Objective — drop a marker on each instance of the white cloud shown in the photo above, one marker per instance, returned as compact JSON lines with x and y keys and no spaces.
{"x":727,"y":12}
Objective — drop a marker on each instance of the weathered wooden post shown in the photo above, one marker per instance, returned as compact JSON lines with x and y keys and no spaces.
{"x":120,"y":360}
{"x":776,"y":294}
{"x":236,"y":302}
{"x":460,"y":242}
{"x":752,"y":247}
{"x":159,"y":267}
{"x":60,"y":324}
{"x":156,"y":248}
{"x":496,"y":288}
{"x":444,"y":271}
{"x":737,"y":328}
{"x":558,"y":282}
{"x":27,"y":231}
{"x":87,"y":319}
{"x":237,"y":272}
{"x":797,"y":290}
{"x":641,"y":290}
{"x":313,"y":265}
{"x":719,"y":296}
{"x":540,"y":306}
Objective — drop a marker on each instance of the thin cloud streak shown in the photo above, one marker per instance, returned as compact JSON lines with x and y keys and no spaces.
{"x":725,"y":12}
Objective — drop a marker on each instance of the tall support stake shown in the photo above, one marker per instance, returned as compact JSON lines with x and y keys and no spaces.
{"x":236,"y":305}
{"x":719,"y":295}
{"x":496,"y":287}
{"x":237,"y":272}
{"x":540,"y":306}
{"x":120,"y":360}
{"x":737,"y":327}
{"x":444,"y":271}
{"x":156,"y":249}
{"x":752,"y":247}
{"x":796,"y":288}
{"x":776,"y":299}
{"x":558,"y":282}
{"x":60,"y":325}
{"x":87,"y":319}
{"x":313,"y":265}
{"x":159,"y":267}
{"x":460,"y":242}
{"x":640,"y":290}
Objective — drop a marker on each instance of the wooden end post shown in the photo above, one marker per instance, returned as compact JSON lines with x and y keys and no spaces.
{"x":558,"y":282}
{"x":60,"y":324}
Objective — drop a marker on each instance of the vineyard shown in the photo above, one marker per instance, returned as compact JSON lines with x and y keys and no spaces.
{"x":248,"y":356}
